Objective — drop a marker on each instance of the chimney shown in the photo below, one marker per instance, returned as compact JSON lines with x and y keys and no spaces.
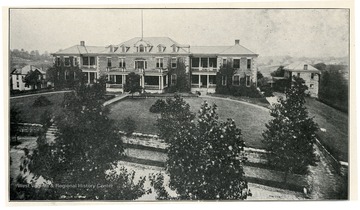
{"x":111,"y":48}
{"x":82,"y":43}
{"x":237,"y":41}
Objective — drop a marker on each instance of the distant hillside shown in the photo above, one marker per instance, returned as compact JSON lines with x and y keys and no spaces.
{"x":21,"y":58}
{"x":268,"y":64}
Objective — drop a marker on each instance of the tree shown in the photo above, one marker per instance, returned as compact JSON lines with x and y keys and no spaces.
{"x":132,"y":84}
{"x":201,"y":155}
{"x":15,"y":119}
{"x":62,"y":76}
{"x":175,"y":113}
{"x":129,"y":125}
{"x":279,"y":72}
{"x":290,"y":136}
{"x":225,"y":74}
{"x":259,"y":75}
{"x":84,"y":153}
{"x":33,"y":79}
{"x":182,"y":83}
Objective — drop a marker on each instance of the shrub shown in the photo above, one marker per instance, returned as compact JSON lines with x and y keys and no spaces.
{"x":250,"y":92}
{"x":158,"y":106}
{"x":129,"y":125}
{"x":41,"y":101}
{"x":268,"y":92}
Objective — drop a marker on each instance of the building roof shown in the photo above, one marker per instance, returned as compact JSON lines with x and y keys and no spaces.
{"x":300,"y":67}
{"x":154,"y":42}
{"x":78,"y":49}
{"x":24,"y":70}
{"x":207,"y":49}
{"x":237,"y":49}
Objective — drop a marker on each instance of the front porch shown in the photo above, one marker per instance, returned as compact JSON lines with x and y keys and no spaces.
{"x":154,"y":83}
{"x":205,"y":83}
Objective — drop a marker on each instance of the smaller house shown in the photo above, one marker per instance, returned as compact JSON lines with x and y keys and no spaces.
{"x":18,"y":78}
{"x":308,"y":73}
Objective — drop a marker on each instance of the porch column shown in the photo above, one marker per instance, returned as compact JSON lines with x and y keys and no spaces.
{"x":143,"y":82}
{"x":167,"y":80}
{"x":123,"y":79}
{"x":88,"y":77}
{"x":115,"y":79}
{"x":160,"y":82}
{"x":207,"y":84}
{"x":199,"y":81}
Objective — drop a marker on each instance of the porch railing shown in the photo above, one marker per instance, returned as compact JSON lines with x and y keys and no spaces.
{"x":114,"y":85}
{"x":151,"y":87}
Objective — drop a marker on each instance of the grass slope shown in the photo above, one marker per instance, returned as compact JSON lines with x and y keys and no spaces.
{"x":32,"y":114}
{"x":251,"y":120}
{"x":335,"y":139}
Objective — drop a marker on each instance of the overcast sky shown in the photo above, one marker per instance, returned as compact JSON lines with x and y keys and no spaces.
{"x":294,"y":32}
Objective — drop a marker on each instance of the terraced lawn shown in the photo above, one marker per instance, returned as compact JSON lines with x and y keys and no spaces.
{"x":250,"y":119}
{"x":32,"y":114}
{"x":335,"y":136}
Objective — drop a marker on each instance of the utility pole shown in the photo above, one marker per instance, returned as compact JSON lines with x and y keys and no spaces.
{"x":142,"y":25}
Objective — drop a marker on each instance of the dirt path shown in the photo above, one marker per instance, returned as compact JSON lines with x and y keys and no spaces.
{"x":324,"y":182}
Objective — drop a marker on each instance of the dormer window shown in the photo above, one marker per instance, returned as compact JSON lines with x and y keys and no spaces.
{"x":123,"y":49}
{"x":159,"y":49}
{"x":141,"y":48}
{"x":305,"y":67}
{"x":174,"y":48}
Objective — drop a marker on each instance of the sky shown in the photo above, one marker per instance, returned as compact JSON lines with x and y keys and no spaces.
{"x":268,"y":32}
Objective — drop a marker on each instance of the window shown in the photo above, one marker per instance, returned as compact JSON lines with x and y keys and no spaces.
{"x":17,"y":77}
{"x":311,"y":86}
{"x":204,"y":62}
{"x":58,"y":61}
{"x":312,"y":75}
{"x":223,"y":80}
{"x":141,"y":48}
{"x":305,"y":67}
{"x":213,"y":62}
{"x":174,"y":48}
{"x":122,"y":63}
{"x":17,"y":84}
{"x":173,"y":79}
{"x":85,"y":61}
{"x":236,"y":64}
{"x":123,"y":49}
{"x":109,"y":62}
{"x":224,"y":61}
{"x":236,"y":80}
{"x":248,"y":63}
{"x":92,"y":61}
{"x":173,"y":62}
{"x":66,"y":75}
{"x":67,"y":61}
{"x":248,"y":81}
{"x":88,"y":61}
{"x":159,"y":62}
{"x":195,"y":62}
{"x":140,"y":65}
{"x":75,"y":61}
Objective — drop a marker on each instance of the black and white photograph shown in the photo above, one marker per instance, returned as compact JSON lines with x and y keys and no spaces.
{"x":179,"y":103}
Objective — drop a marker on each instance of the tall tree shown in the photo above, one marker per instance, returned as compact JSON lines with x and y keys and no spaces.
{"x":84,"y":153}
{"x":182,"y":83}
{"x":205,"y":159}
{"x":33,"y":79}
{"x":279,"y":72}
{"x":224,"y":79}
{"x":132,"y":84}
{"x":290,"y":136}
{"x":15,"y":119}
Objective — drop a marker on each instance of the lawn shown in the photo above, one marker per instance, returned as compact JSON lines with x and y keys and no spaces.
{"x":335,"y":138}
{"x":32,"y":114}
{"x":251,"y":120}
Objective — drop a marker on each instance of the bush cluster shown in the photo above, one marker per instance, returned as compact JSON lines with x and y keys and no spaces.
{"x":158,"y":106}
